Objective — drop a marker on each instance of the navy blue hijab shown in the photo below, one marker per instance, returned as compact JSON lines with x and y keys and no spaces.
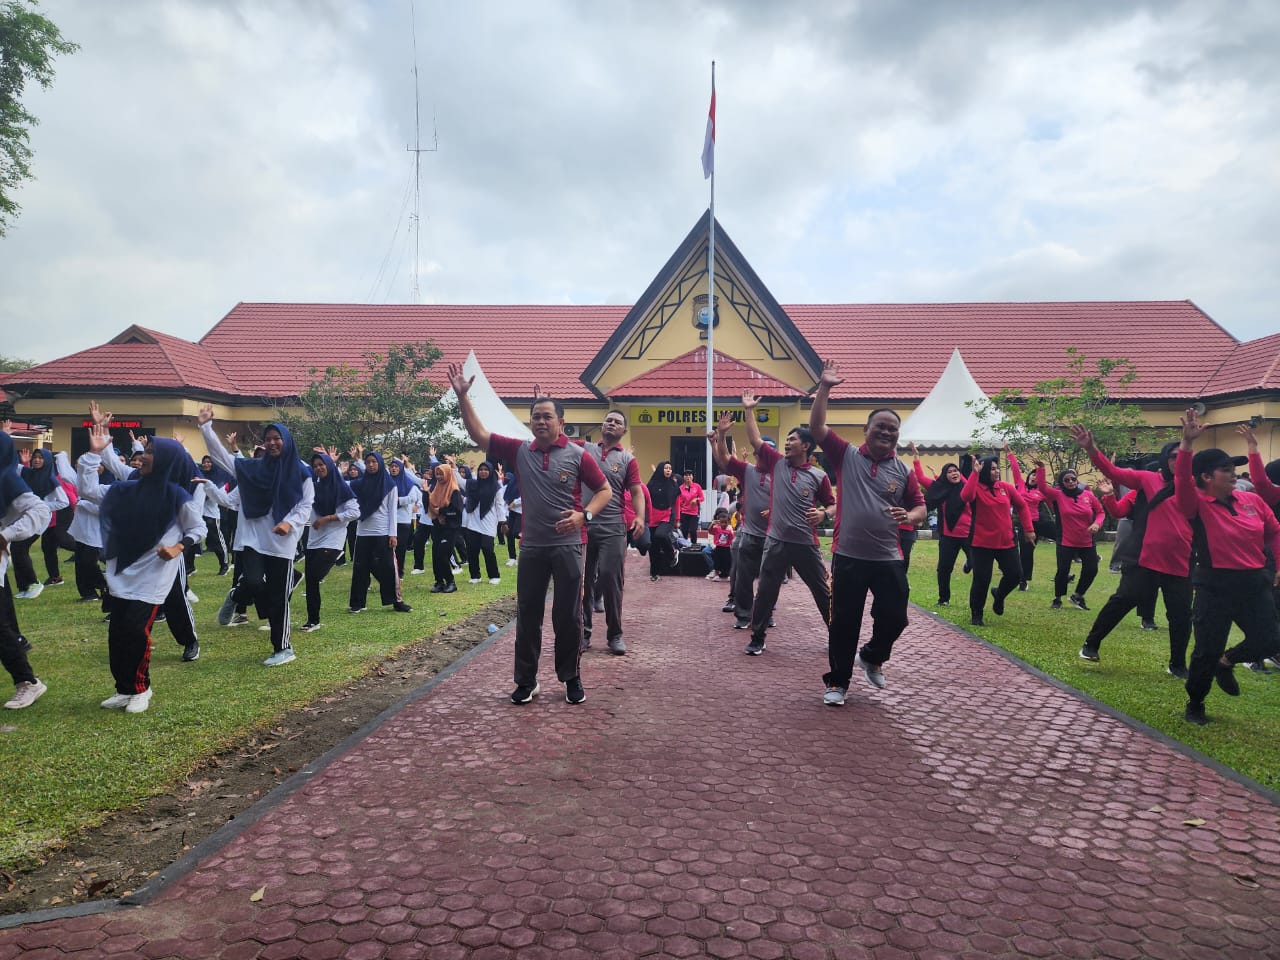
{"x":41,"y":480}
{"x":12,"y":486}
{"x":217,"y":474}
{"x":482,"y":493}
{"x":511,"y":490}
{"x":136,"y":513}
{"x":272,"y":484}
{"x":402,"y":482}
{"x":372,"y":490}
{"x":330,"y":491}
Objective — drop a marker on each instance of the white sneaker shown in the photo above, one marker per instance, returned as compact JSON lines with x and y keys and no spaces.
{"x":834,"y":697}
{"x":139,"y":702}
{"x":280,"y":658}
{"x":265,"y":628}
{"x":117,"y":701}
{"x":191,"y":597}
{"x":495,"y":580}
{"x":32,"y":591}
{"x":25,"y":694}
{"x":476,"y":580}
{"x":511,"y":562}
{"x":416,"y":572}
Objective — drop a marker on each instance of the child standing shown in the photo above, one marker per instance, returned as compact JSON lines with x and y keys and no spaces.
{"x":721,"y":533}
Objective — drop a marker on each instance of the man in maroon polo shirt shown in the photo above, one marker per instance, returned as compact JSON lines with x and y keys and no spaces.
{"x":552,"y":473}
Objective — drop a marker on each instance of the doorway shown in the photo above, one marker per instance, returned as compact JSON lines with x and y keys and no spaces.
{"x":690,"y":453}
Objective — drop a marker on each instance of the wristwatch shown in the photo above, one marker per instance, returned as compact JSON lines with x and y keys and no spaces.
{"x":587,"y":515}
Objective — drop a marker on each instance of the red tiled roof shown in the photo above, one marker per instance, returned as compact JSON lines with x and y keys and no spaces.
{"x":1251,"y":366}
{"x":686,"y":376}
{"x":516,"y":345}
{"x":898,"y":351}
{"x":136,"y":358}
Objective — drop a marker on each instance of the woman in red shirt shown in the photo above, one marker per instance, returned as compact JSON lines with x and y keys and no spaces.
{"x":1080,"y":515}
{"x":993,"y":502}
{"x":1031,"y":493}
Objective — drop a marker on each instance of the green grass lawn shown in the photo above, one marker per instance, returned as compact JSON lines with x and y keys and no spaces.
{"x":1245,"y":732}
{"x":65,"y":763}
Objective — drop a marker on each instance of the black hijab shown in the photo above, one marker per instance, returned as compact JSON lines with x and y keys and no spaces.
{"x":41,"y":480}
{"x":944,"y":496}
{"x":136,"y":513}
{"x":330,"y":491}
{"x":663,"y":490}
{"x":482,"y":493}
{"x":12,"y":486}
{"x":272,"y":484}
{"x":371,"y":490}
{"x":1073,"y":493}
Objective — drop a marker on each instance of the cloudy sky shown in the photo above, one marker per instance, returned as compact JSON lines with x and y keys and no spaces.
{"x":197,"y":153}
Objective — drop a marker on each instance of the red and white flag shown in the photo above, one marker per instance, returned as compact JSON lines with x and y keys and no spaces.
{"x":709,"y":144}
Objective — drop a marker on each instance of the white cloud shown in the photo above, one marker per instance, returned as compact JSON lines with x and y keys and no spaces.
{"x":198,"y":153}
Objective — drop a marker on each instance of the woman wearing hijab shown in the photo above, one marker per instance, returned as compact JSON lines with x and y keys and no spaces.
{"x":86,"y":531}
{"x":147,"y":524}
{"x":664,"y":495}
{"x":482,"y":512}
{"x":1080,"y":515}
{"x":333,"y":507}
{"x":993,"y":502}
{"x":408,"y":502}
{"x":22,"y":516}
{"x":353,"y":472}
{"x":445,"y":509}
{"x":41,"y":479}
{"x":515,"y":513}
{"x":215,"y":476}
{"x":275,"y":498}
{"x":375,"y":537}
{"x":955,"y":521}
{"x":1030,"y":490}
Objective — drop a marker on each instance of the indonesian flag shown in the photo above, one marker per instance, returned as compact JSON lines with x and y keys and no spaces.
{"x":709,"y":144}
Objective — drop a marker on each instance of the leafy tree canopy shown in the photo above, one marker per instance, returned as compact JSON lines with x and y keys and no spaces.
{"x":1034,"y":425}
{"x":28,"y":44}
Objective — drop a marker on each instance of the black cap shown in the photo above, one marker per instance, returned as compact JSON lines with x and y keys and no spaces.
{"x":1207,"y":461}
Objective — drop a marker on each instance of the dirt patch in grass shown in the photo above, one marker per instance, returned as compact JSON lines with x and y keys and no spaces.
{"x":116,"y":858}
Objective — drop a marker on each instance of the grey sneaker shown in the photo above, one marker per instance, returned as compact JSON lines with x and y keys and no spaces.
{"x":191,"y":652}
{"x":227,"y":611}
{"x":617,"y":647}
{"x":834,"y":697}
{"x":755,"y":647}
{"x":874,"y":675}
{"x":25,"y":694}
{"x":742,"y":624}
{"x":239,"y":620}
{"x":280,"y":658}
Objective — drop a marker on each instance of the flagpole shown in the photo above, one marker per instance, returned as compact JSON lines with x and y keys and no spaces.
{"x":708,"y":502}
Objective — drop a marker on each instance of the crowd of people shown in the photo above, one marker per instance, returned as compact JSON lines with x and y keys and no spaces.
{"x":135,"y":524}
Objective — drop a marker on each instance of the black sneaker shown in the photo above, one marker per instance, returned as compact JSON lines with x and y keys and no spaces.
{"x":573,"y":692}
{"x":1195,"y":714}
{"x":1057,"y":604}
{"x":771,"y":624}
{"x":943,"y":603}
{"x":755,"y":647}
{"x":729,"y":607}
{"x":977,"y":621}
{"x":162,"y":617}
{"x":523,"y":694}
{"x":1089,"y":653}
{"x":1022,"y":585}
{"x":401,"y":607}
{"x":1176,"y":671}
{"x":191,"y":652}
{"x":997,"y":603}
{"x":450,"y":588}
{"x":1258,"y":666}
{"x":1077,"y":601}
{"x":1149,"y":625}
{"x":1226,"y":677}
{"x":228,"y":609}
{"x":742,"y":625}
{"x":224,"y":569}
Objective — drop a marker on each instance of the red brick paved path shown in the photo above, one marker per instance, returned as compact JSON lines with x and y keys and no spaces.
{"x":705,"y":803}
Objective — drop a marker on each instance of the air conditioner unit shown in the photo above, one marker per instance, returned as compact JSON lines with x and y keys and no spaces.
{"x":571,"y":430}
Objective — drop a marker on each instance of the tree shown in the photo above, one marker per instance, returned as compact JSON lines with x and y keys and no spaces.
{"x":10,"y":365}
{"x":391,"y":405}
{"x":28,"y":43}
{"x":1035,"y":426}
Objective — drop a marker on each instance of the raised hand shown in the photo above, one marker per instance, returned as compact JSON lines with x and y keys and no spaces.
{"x":830,"y":374}
{"x":180,"y":438}
{"x":96,"y":414}
{"x":460,"y":382}
{"x":1104,"y":488}
{"x":726,"y":422}
{"x":1191,"y":427}
{"x":6,"y":425}
{"x":205,"y":414}
{"x":332,"y":451}
{"x":749,"y":400}
{"x":914,"y":453}
{"x":1082,"y":436}
{"x":24,"y":457}
{"x":1246,"y":431}
{"x":230,"y":438}
{"x":99,"y":438}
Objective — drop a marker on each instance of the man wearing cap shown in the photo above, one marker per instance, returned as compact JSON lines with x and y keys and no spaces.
{"x":1231,"y":530}
{"x":552,"y":473}
{"x":607,"y":532}
{"x":878,"y":493}
{"x":1161,"y":541}
{"x":800,"y":497}
{"x":753,"y":520}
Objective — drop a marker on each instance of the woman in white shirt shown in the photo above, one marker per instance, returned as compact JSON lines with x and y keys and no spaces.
{"x":483,"y":511}
{"x":22,"y":516}
{"x":408,"y":503}
{"x":334,"y":506}
{"x":375,"y":538}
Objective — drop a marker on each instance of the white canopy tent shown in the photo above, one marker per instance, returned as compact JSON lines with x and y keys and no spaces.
{"x":493,"y":412}
{"x":945,"y":418}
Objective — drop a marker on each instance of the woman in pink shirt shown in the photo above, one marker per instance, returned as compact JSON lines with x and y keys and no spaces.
{"x":942,"y":494}
{"x":1080,"y":515}
{"x":993,"y":502}
{"x":1031,"y":493}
